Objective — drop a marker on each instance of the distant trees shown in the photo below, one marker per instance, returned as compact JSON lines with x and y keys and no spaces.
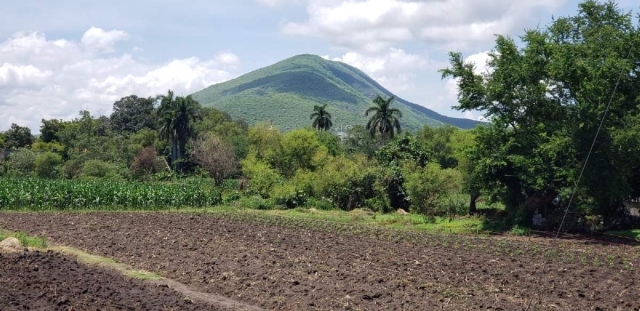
{"x":18,"y":137}
{"x":384,"y":120}
{"x":215,"y":156}
{"x":49,"y":130}
{"x":133,"y":113}
{"x":177,"y":115}
{"x":321,"y":118}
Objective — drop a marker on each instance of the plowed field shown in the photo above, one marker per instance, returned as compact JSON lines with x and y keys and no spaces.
{"x":284,"y":268}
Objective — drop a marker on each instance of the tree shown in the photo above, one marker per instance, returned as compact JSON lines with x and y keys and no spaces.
{"x":49,"y":130}
{"x":18,"y":137}
{"x":545,"y":102}
{"x":384,"y":119}
{"x":146,"y":162}
{"x":321,"y":118}
{"x":132,"y":113}
{"x":215,"y":155}
{"x":177,"y":115}
{"x":47,"y":165}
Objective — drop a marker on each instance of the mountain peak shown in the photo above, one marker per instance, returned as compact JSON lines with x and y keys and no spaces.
{"x":286,"y":92}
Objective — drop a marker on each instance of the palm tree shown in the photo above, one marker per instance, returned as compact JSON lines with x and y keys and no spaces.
{"x":321,"y":118}
{"x":177,"y":115}
{"x":384,"y":119}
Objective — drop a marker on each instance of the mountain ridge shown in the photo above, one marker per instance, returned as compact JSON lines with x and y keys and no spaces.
{"x":285,"y":93}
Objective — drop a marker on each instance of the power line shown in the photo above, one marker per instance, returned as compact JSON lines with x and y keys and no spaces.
{"x":575,"y":187}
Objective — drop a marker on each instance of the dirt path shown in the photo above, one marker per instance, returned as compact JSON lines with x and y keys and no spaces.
{"x":293,"y":269}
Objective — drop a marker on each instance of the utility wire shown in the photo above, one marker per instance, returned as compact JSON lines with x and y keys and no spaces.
{"x":575,"y":187}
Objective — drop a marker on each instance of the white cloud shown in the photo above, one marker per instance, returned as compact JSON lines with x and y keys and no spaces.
{"x":98,"y":39}
{"x":43,"y":78}
{"x":395,"y":70}
{"x":372,"y":26}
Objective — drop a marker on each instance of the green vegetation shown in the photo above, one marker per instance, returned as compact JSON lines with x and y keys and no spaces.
{"x":282,"y":93}
{"x":633,"y":233}
{"x":39,"y":194}
{"x":545,"y":109}
{"x":25,"y":240}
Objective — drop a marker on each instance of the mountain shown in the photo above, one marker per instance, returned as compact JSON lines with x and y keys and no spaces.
{"x":285,"y":93}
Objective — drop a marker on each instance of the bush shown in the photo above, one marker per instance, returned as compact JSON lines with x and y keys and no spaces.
{"x":319,"y":204}
{"x":288,"y":196}
{"x":262,"y":178}
{"x":72,"y":169}
{"x":428,"y":187}
{"x":96,"y":169}
{"x":48,"y":165}
{"x":256,"y":202}
{"x":21,"y":163}
{"x":146,"y":163}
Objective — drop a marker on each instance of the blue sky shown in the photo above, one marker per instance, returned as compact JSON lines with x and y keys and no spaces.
{"x":58,"y":59}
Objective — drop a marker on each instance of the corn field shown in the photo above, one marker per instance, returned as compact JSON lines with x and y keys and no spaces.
{"x":40,"y":194}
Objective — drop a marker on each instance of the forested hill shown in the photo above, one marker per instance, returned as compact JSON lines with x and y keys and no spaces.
{"x":285,"y":93}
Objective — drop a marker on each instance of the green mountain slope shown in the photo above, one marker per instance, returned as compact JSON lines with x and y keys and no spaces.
{"x":285,"y":93}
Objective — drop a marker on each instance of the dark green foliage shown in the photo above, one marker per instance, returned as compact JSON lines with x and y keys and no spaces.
{"x":321,"y":118}
{"x":132,"y":113}
{"x":96,"y":169}
{"x":384,"y":119}
{"x":48,"y":165}
{"x":546,"y":101}
{"x":177,"y":115}
{"x":281,"y":93}
{"x":49,"y":130}
{"x":21,"y":162}
{"x":18,"y":137}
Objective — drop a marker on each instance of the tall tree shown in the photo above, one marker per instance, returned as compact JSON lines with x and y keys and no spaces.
{"x":18,"y":137}
{"x":132,"y":113}
{"x":384,"y":119}
{"x":177,"y":115}
{"x":49,"y":130}
{"x":321,"y":118}
{"x":546,"y":100}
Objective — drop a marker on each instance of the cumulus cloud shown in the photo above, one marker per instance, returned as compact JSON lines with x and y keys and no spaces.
{"x":42,"y":78}
{"x":374,"y":25}
{"x":395,"y":70}
{"x":98,"y":39}
{"x":449,"y":96}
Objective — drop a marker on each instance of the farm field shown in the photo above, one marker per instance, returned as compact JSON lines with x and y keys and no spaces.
{"x":40,"y":280}
{"x":280,"y":263}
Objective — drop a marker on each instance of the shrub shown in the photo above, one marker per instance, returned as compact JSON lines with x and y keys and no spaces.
{"x":256,"y":202}
{"x":428,"y":186}
{"x":48,"y":165}
{"x":21,"y":163}
{"x":146,"y":163}
{"x":262,"y":178}
{"x":96,"y":169}
{"x":72,"y":169}
{"x":288,"y":196}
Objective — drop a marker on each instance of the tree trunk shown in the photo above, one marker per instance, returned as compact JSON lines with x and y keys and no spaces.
{"x":472,"y":203}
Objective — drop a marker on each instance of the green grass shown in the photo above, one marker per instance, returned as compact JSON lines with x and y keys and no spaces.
{"x":106,"y":262}
{"x":26,"y":240}
{"x":471,"y":225}
{"x":633,"y":233}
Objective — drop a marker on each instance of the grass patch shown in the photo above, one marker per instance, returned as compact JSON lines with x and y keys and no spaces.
{"x":26,"y":240}
{"x":633,"y":233}
{"x":90,"y":259}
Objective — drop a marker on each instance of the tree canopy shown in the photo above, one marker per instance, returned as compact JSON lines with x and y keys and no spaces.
{"x":545,"y":101}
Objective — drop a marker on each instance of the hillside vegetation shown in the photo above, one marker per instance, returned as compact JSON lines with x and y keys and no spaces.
{"x":285,"y":92}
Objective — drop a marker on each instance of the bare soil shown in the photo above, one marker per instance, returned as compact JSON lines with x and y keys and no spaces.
{"x":282,"y":268}
{"x":38,"y":280}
